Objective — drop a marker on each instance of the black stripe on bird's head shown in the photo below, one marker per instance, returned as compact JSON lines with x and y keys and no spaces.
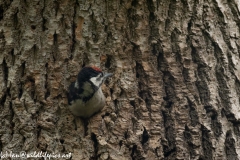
{"x":87,"y":73}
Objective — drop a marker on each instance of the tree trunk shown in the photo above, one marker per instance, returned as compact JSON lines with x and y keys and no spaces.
{"x":175,"y":90}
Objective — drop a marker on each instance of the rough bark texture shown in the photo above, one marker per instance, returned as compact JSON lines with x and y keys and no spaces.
{"x":175,"y":90}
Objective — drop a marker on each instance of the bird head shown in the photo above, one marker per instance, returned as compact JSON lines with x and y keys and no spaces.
{"x":94,"y":75}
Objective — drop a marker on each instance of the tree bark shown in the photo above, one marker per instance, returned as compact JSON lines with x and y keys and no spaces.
{"x":175,"y":90}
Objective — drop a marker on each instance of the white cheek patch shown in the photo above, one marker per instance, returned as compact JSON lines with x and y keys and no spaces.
{"x":88,"y":90}
{"x":96,"y":81}
{"x":76,"y":85}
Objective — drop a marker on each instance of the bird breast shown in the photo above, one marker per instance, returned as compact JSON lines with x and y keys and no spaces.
{"x":87,"y":109}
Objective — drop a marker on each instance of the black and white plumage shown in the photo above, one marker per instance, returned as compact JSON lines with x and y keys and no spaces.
{"x":85,"y":96}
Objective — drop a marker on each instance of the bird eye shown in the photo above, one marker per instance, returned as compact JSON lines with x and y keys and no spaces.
{"x":99,"y":76}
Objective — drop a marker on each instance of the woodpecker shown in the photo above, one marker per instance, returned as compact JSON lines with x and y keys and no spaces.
{"x":85,"y":96}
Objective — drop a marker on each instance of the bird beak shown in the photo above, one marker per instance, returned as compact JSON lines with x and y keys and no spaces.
{"x":106,"y":75}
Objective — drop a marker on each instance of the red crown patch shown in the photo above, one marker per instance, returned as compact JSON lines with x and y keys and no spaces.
{"x":96,"y":69}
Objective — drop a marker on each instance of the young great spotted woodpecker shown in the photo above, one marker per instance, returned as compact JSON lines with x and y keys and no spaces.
{"x":85,"y":96}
